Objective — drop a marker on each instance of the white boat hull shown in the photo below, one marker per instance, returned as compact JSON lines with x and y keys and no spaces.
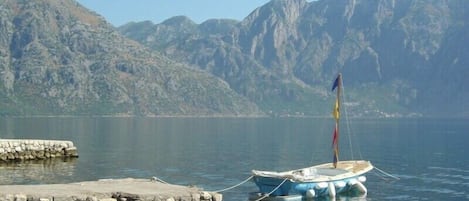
{"x":315,"y":181}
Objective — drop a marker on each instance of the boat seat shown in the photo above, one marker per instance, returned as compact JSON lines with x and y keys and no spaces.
{"x":330,"y":171}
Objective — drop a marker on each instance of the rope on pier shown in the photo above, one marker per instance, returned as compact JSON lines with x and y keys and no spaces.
{"x":218,"y":191}
{"x":268,"y":194}
{"x":159,"y":180}
{"x":229,"y":188}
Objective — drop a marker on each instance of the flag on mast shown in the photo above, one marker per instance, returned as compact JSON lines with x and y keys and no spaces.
{"x":336,"y":82}
{"x":335,"y":146}
{"x":334,"y":138}
{"x":336,"y":112}
{"x":336,"y":115}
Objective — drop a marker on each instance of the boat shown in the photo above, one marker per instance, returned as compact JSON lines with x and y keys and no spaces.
{"x":328,"y":179}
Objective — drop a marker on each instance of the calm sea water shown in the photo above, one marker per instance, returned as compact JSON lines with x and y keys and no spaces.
{"x":430,"y":156}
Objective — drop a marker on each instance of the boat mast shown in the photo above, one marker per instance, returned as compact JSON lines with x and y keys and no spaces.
{"x":336,"y":113}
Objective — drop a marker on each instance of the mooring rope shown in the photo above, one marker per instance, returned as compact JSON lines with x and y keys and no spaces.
{"x":218,"y":191}
{"x":159,"y":180}
{"x":268,"y":194}
{"x":386,"y":174}
{"x":381,"y":176}
{"x":229,"y":188}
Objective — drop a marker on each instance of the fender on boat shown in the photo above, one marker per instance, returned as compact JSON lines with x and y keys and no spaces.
{"x":361,"y":188}
{"x":331,"y":189}
{"x":362,"y":179}
{"x":310,"y":193}
{"x":339,"y":184}
{"x":321,"y":185}
{"x":352,"y":182}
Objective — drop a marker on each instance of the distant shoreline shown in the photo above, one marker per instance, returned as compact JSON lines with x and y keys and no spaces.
{"x":217,"y":116}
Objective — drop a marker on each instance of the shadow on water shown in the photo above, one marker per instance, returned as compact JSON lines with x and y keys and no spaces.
{"x":48,"y":171}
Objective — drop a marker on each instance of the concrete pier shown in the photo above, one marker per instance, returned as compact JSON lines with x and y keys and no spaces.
{"x":106,"y":190}
{"x":15,"y":149}
{"x":102,"y":190}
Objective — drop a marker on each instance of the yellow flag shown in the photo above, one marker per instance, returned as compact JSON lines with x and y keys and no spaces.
{"x":336,"y":112}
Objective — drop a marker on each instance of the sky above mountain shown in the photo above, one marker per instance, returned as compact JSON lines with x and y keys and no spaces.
{"x":119,"y":12}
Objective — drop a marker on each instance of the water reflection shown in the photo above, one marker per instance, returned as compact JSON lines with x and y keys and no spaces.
{"x":430,"y":156}
{"x":37,"y":171}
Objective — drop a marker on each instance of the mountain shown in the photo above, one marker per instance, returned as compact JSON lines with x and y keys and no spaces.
{"x":59,"y":58}
{"x":397,"y":57}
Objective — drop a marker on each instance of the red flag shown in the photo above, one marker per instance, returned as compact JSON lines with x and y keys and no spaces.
{"x":335,"y":146}
{"x":334,"y":138}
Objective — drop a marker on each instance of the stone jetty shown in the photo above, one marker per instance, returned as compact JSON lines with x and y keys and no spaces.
{"x":106,"y":190}
{"x":16,"y":149}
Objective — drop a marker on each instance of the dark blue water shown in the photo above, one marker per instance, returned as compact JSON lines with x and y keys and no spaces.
{"x":428,"y":155}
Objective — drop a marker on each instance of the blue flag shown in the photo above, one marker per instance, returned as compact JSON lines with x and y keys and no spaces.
{"x":336,"y":83}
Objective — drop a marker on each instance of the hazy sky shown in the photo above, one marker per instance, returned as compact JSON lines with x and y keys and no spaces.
{"x":119,"y":12}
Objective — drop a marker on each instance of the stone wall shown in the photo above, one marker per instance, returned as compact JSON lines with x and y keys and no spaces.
{"x":11,"y":149}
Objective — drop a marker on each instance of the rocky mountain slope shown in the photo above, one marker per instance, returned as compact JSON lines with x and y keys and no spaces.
{"x":397,"y":57}
{"x":58,"y":58}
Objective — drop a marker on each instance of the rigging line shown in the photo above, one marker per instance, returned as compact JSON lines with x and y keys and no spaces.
{"x":229,"y":188}
{"x":349,"y":131}
{"x":268,"y":194}
{"x":387,"y":174}
{"x":380,"y":175}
